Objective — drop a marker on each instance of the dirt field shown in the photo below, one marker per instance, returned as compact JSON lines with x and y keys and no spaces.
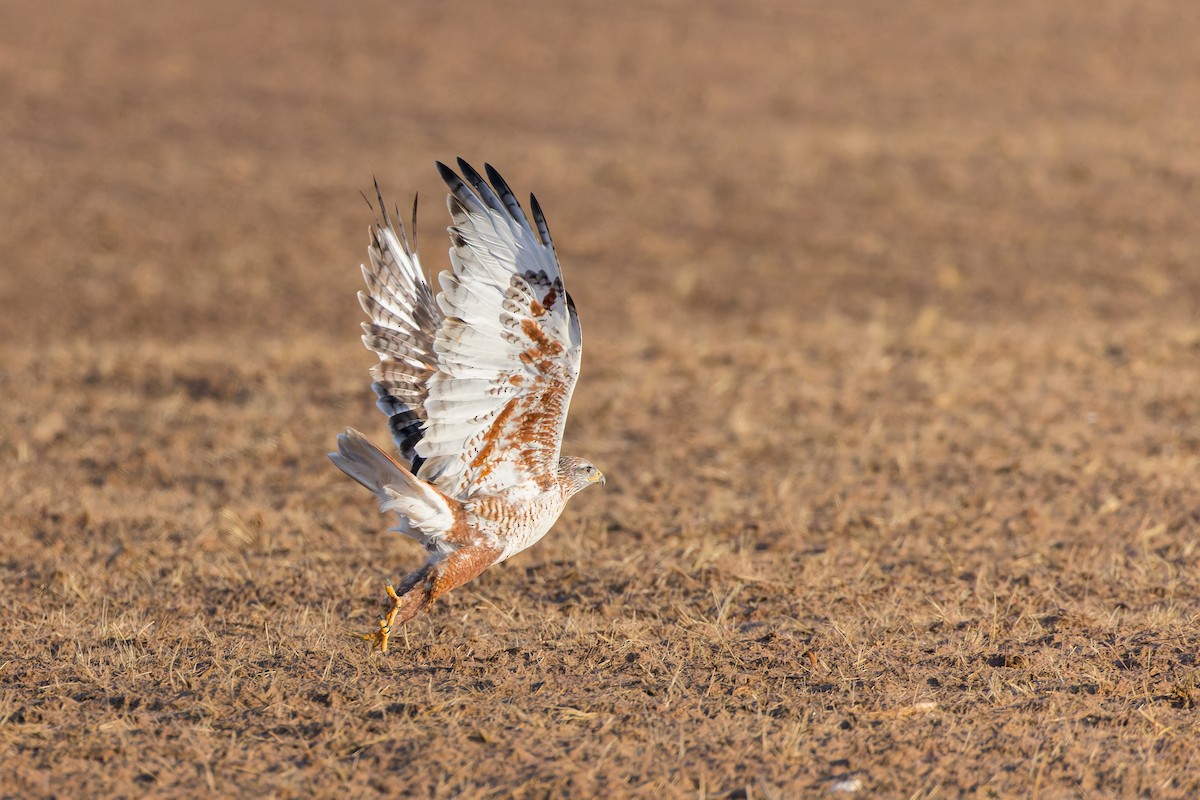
{"x":892,"y":324}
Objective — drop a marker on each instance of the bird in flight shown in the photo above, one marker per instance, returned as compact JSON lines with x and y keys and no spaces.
{"x":475,"y":382}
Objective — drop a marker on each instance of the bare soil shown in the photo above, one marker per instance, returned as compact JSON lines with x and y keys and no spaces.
{"x":892,"y":324}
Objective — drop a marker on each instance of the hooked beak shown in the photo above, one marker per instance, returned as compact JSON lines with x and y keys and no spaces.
{"x":597,"y":478}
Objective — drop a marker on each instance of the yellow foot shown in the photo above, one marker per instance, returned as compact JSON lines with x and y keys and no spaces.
{"x":380,"y":637}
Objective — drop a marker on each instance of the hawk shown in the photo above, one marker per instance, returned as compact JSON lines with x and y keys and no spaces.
{"x":475,"y":383}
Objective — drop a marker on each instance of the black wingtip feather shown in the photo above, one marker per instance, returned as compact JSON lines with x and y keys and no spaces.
{"x":469,"y":173}
{"x":485,"y":193}
{"x":496,"y":179}
{"x":539,"y":219}
{"x":449,"y":176}
{"x":506,"y":195}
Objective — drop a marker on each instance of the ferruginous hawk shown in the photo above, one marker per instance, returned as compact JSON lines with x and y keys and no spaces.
{"x":475,"y":383}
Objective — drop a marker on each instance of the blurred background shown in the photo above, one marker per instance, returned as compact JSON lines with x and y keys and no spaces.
{"x":193,"y":170}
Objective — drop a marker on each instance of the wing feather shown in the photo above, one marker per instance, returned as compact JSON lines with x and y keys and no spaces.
{"x":476,"y":381}
{"x":404,"y":319}
{"x":507,"y":352}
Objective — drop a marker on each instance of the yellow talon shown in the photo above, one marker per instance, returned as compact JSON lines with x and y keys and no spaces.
{"x":381,"y":636}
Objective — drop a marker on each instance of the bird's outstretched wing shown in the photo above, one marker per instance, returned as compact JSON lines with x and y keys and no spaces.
{"x":403,"y":322}
{"x":506,"y":352}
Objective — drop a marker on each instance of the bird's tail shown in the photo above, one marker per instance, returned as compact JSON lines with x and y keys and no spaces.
{"x":424,"y":510}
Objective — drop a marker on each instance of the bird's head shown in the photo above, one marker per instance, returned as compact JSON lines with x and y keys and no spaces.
{"x":576,"y":474}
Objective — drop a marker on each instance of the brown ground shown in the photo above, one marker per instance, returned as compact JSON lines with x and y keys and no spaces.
{"x":893,"y":362}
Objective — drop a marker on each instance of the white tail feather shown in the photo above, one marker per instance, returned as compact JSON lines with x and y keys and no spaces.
{"x":424,"y":512}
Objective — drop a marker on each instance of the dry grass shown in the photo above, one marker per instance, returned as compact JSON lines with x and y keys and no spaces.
{"x":892,"y":362}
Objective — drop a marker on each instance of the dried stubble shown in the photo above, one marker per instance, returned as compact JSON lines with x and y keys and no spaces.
{"x":890,"y":362}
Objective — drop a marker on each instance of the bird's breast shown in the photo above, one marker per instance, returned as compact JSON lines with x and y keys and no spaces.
{"x":515,"y":527}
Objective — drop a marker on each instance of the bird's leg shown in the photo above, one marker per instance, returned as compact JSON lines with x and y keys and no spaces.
{"x":420,"y":588}
{"x":386,"y":621}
